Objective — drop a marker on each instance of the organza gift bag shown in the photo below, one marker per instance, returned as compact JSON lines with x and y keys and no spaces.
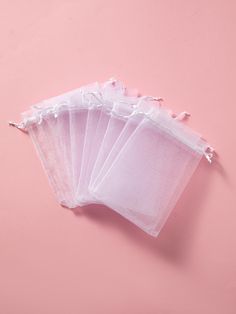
{"x":42,"y":128}
{"x":98,"y":144}
{"x":104,"y":125}
{"x":151,"y":170}
{"x":80,"y":104}
{"x":100,"y":106}
{"x":93,"y":116}
{"x":62,"y":115}
{"x":117,"y":120}
{"x":48,"y":124}
{"x":78,"y":113}
{"x":125,"y":116}
{"x":70,"y":112}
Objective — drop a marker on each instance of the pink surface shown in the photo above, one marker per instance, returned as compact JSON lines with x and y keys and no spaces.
{"x":52,"y":261}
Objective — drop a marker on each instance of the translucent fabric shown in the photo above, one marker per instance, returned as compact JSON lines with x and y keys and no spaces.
{"x":42,"y":129}
{"x":150,"y":171}
{"x":115,"y":125}
{"x":78,"y":122}
{"x":62,"y":118}
{"x":79,"y":107}
{"x":125,"y":116}
{"x":100,"y":144}
{"x":108,"y":154}
{"x":96,"y":127}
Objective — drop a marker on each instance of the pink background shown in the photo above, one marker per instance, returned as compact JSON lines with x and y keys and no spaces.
{"x":52,"y":261}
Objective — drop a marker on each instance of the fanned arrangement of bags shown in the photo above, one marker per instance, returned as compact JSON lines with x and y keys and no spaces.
{"x":99,"y":145}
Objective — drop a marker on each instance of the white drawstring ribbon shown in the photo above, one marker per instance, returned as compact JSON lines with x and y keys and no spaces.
{"x":182,"y":116}
{"x":209,"y":153}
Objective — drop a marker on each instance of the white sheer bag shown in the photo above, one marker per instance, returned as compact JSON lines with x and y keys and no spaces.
{"x":151,"y":170}
{"x":62,"y":115}
{"x":99,"y":145}
{"x":117,"y":119}
{"x":80,"y":105}
{"x":123,"y":120}
{"x":101,"y":103}
{"x":42,"y":128}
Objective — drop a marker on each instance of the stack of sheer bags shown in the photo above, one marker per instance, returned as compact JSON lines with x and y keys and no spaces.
{"x":97,"y":144}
